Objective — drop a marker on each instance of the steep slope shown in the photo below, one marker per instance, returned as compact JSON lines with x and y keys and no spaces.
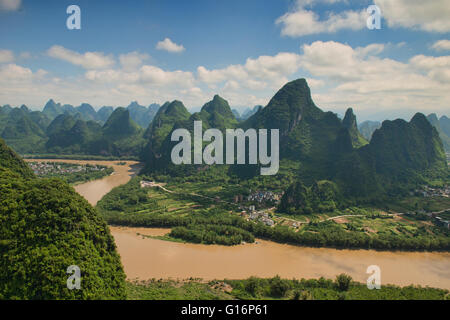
{"x":52,"y":109}
{"x":120,"y":125}
{"x":10,"y":161}
{"x":20,"y":131}
{"x":307,"y":134}
{"x":142,"y":115}
{"x":433,"y":119}
{"x":58,"y":132}
{"x":400,"y":156}
{"x":216,"y":114}
{"x":285,"y":110}
{"x":444,"y":122}
{"x":158,"y":131}
{"x":47,"y":227}
{"x":247,"y":113}
{"x":120,"y":136}
{"x":236,"y":114}
{"x":20,"y":125}
{"x":87,"y":112}
{"x":350,"y":123}
{"x":103,"y":113}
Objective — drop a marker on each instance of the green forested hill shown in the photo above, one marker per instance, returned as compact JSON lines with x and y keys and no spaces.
{"x":10,"y":161}
{"x":214,"y":114}
{"x":217,"y":114}
{"x":349,"y":122}
{"x":442,"y":128}
{"x":400,"y":156}
{"x":45,"y":227}
{"x":159,"y":129}
{"x":24,"y":129}
{"x":120,"y":136}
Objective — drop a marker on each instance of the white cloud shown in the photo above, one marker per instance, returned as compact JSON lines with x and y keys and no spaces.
{"x":338,"y":74}
{"x":263,"y":68}
{"x":301,"y":21}
{"x":6,"y":56}
{"x":10,"y":5}
{"x":437,"y":68}
{"x":169,"y":46}
{"x":432,"y":16}
{"x":15,"y":72}
{"x":133,"y":60}
{"x":375,"y":85}
{"x":147,"y":74}
{"x":441,"y":45}
{"x":88,"y":60}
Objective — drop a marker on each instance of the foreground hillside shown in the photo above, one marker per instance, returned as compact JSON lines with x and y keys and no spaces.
{"x":45,"y":228}
{"x":342,"y":288}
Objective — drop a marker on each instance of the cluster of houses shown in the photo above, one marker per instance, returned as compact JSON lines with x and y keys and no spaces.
{"x":434,"y":192}
{"x":254,"y":215}
{"x":259,"y":197}
{"x":439,"y":220}
{"x":46,"y":168}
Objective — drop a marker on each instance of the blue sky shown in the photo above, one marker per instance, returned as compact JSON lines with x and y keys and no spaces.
{"x":243,"y":50}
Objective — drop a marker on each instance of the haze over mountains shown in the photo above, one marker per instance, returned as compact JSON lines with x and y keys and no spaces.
{"x":400,"y":154}
{"x":308,"y":134}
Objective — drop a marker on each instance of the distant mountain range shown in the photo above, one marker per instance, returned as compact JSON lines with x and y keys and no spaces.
{"x":364,"y":162}
{"x":140,"y":114}
{"x":442,"y":125}
{"x":74,"y":130}
{"x":443,"y":128}
{"x":399,"y":155}
{"x":247,"y":113}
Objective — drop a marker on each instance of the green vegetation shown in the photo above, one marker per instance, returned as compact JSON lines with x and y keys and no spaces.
{"x":119,"y":136}
{"x":342,"y":288}
{"x":212,"y":234}
{"x":322,"y":196}
{"x":192,"y":209}
{"x":349,"y":122}
{"x":70,"y":173}
{"x":45,"y":227}
{"x":173,"y":290}
{"x":68,"y":130}
{"x":443,"y":128}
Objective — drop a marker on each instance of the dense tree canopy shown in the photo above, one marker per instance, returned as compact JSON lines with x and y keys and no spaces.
{"x":45,"y":227}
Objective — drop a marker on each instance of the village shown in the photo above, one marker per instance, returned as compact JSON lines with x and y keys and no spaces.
{"x":55,"y":168}
{"x":247,"y":208}
{"x":433,"y":192}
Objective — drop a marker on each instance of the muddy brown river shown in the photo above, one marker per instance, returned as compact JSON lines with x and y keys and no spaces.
{"x":146,"y":258}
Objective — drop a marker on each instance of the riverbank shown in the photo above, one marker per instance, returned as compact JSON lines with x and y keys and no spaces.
{"x":94,"y":190}
{"x":146,"y":258}
{"x":275,"y":289}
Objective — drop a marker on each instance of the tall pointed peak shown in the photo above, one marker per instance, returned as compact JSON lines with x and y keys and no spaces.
{"x":349,"y":120}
